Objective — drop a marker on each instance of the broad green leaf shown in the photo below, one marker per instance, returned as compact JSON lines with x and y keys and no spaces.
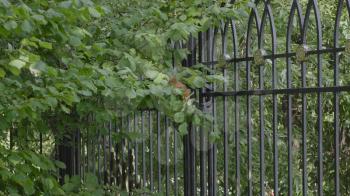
{"x":39,"y":18}
{"x":183,"y":17}
{"x":179,"y":117}
{"x":5,"y":3}
{"x":65,"y":4}
{"x":26,"y":26}
{"x":15,"y":159}
{"x":27,"y":42}
{"x":37,"y":68}
{"x":197,"y":82}
{"x":52,"y":102}
{"x":60,"y":164}
{"x":2,"y":73}
{"x":91,"y":181}
{"x":65,"y":109}
{"x":48,"y":183}
{"x":19,"y":64}
{"x":46,"y":45}
{"x":151,"y":74}
{"x":183,"y":129}
{"x":131,"y":93}
{"x":85,"y":93}
{"x":10,"y":25}
{"x":196,"y":120}
{"x":75,"y":41}
{"x":93,"y":12}
{"x":24,"y":182}
{"x":161,"y":79}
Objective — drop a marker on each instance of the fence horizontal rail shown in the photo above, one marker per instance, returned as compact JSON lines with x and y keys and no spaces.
{"x":330,"y":89}
{"x":279,"y":55}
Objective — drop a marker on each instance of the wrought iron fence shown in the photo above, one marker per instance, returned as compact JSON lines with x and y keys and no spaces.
{"x":148,"y":158}
{"x":277,"y":107}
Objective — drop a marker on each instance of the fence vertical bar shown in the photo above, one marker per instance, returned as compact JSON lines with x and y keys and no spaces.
{"x":129,"y":158}
{"x":336,"y":99}
{"x":268,"y":13}
{"x":262,"y":132}
{"x":150,"y":121}
{"x":210,"y":146}
{"x":201,"y":49}
{"x":186,"y":169}
{"x":159,"y":152}
{"x":211,"y":56}
{"x":261,"y":108}
{"x":143,"y":149}
{"x":98,"y":156}
{"x":175,"y":163}
{"x":136,"y":149}
{"x":294,"y":9}
{"x":252,"y":17}
{"x":313,"y":5}
{"x":104,"y":158}
{"x":110,"y":147}
{"x":225,"y":115}
{"x":167,"y":175}
{"x":236,"y":111}
{"x":41,"y":142}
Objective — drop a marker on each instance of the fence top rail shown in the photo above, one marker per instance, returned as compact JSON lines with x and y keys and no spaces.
{"x":279,"y":55}
{"x":284,"y":91}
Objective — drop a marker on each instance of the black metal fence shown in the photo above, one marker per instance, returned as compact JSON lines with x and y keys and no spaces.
{"x":138,"y":152}
{"x":282,"y":129}
{"x":280,"y":119}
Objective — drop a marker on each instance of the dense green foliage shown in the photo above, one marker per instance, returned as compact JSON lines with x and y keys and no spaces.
{"x":64,"y":60}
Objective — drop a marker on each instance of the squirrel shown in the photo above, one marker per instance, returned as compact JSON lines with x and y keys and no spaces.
{"x":179,"y":85}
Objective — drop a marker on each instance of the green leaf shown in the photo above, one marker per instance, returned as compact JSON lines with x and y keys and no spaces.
{"x":37,"y":68}
{"x":19,"y":64}
{"x":183,"y":129}
{"x":161,"y":79}
{"x":65,"y":4}
{"x":131,"y":93}
{"x":46,"y":45}
{"x":24,"y":182}
{"x":27,"y":42}
{"x":39,"y":18}
{"x":91,"y":181}
{"x":89,"y":85}
{"x":48,"y":183}
{"x":198,"y":82}
{"x":93,"y":12}
{"x":10,"y":25}
{"x":26,"y":26}
{"x":151,"y":74}
{"x":183,"y":17}
{"x":65,"y":109}
{"x":86,"y":93}
{"x":5,"y":3}
{"x":75,"y":41}
{"x":179,"y":117}
{"x":196,"y":120}
{"x":60,"y":164}
{"x":2,"y":73}
{"x":51,"y":101}
{"x":14,"y":159}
